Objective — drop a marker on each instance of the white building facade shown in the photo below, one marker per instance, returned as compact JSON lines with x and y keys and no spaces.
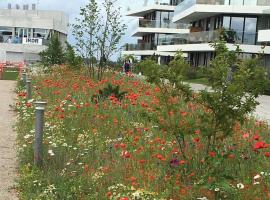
{"x":25,"y":33}
{"x":155,"y":27}
{"x":246,"y":23}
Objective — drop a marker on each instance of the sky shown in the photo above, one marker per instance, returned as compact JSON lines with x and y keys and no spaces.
{"x":72,"y":8}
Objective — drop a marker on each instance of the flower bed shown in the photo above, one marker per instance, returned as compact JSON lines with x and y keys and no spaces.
{"x":112,"y":149}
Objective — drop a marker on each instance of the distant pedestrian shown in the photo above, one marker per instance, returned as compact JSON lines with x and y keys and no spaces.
{"x":9,"y":40}
{"x":127,"y":66}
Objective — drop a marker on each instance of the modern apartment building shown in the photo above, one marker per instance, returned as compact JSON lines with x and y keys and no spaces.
{"x":24,"y":33}
{"x":246,"y":23}
{"x":155,"y":27}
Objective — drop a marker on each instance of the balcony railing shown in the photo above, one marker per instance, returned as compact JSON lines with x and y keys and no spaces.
{"x":210,"y":36}
{"x":161,"y":24}
{"x":162,"y":2}
{"x":140,"y":46}
{"x":189,"y":3}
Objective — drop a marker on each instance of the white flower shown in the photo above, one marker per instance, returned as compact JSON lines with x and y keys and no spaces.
{"x":216,"y":189}
{"x":202,"y":198}
{"x":257,"y":177}
{"x":27,"y":136}
{"x":240,"y":186}
{"x":51,"y":152}
{"x":256,"y":183}
{"x":64,"y":145}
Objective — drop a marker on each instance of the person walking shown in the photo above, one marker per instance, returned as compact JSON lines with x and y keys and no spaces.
{"x":127,"y":66}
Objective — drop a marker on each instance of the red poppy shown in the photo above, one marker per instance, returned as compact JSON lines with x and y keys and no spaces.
{"x":182,"y":162}
{"x":212,"y":153}
{"x":124,"y":198}
{"x":126,"y":154}
{"x":260,"y":145}
{"x":196,"y":139}
{"x":267,"y":154}
{"x":256,"y":137}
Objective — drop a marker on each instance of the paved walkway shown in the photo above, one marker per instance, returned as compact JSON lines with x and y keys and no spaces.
{"x":262,"y":111}
{"x":8,"y":161}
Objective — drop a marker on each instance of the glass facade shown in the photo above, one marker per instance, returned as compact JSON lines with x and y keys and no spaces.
{"x":16,"y":34}
{"x":5,"y":34}
{"x":185,"y":4}
{"x":241,"y":29}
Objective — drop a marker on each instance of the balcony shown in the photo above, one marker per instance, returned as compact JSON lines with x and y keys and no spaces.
{"x":145,"y":27}
{"x":164,"y":5}
{"x":230,"y":36}
{"x":140,"y":47}
{"x":145,"y":23}
{"x":188,"y":11}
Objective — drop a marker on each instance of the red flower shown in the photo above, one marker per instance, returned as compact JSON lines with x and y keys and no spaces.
{"x":256,"y":137}
{"x":126,"y":154}
{"x":246,"y":135}
{"x":212,"y":154}
{"x":231,"y":156}
{"x":260,"y":145}
{"x":109,"y":194}
{"x":196,"y":139}
{"x":124,"y":198}
{"x":123,"y":145}
{"x":183,"y":113}
{"x":267,"y":154}
{"x":182,"y":162}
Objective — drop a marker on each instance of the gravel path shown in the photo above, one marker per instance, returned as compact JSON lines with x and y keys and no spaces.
{"x":8,"y":160}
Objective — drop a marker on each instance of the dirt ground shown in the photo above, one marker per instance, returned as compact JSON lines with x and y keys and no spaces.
{"x":8,"y":159}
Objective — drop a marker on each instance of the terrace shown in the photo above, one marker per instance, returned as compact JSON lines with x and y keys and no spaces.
{"x":194,"y":9}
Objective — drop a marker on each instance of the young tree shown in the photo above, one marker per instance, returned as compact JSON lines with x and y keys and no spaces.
{"x":53,"y":55}
{"x":85,"y":31}
{"x":111,"y":33}
{"x":235,"y":84}
{"x":98,"y":32}
{"x":72,"y":60}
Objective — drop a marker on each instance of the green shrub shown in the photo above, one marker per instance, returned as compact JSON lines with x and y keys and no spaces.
{"x":108,"y":91}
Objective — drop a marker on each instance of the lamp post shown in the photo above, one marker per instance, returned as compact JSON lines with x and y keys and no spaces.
{"x":39,"y":128}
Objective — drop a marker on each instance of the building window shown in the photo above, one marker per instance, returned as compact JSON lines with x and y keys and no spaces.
{"x":5,"y":34}
{"x":237,"y":25}
{"x":40,"y":33}
{"x":241,"y":29}
{"x":250,"y":31}
{"x":226,"y":22}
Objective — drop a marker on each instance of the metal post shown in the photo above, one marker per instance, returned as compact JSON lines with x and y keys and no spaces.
{"x":39,"y":135}
{"x":29,"y":89}
{"x":24,"y":77}
{"x":40,"y":104}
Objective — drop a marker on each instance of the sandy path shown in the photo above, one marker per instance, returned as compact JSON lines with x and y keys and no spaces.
{"x":8,"y":160}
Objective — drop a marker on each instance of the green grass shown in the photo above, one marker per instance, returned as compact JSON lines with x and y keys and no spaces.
{"x":198,"y":81}
{"x":10,"y":74}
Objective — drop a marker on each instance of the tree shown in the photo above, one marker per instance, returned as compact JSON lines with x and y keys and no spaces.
{"x":111,"y":32}
{"x":235,"y":84}
{"x":72,"y":60}
{"x":85,"y":31}
{"x":98,"y":32}
{"x":53,"y":55}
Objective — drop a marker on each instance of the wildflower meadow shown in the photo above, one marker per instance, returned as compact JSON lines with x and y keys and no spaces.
{"x":102,"y":145}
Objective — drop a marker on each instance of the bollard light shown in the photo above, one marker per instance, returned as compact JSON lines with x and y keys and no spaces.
{"x":39,"y":128}
{"x":29,"y":89}
{"x":40,"y":103}
{"x":24,"y":75}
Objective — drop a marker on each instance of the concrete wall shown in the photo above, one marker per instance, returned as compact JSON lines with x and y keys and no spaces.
{"x":55,"y":20}
{"x":20,"y":52}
